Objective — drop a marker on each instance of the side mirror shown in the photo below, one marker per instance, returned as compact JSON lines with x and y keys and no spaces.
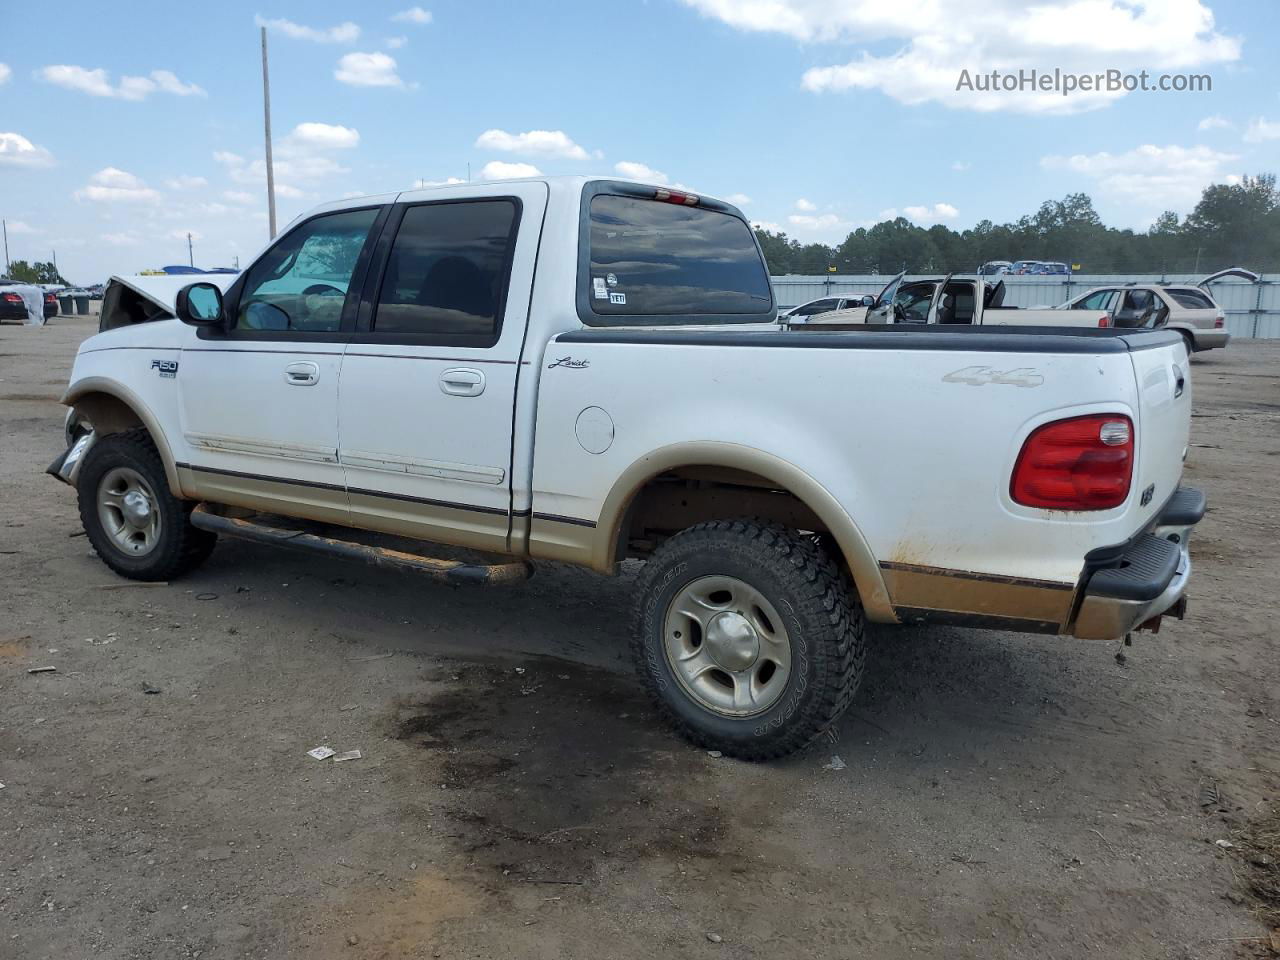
{"x":868,"y":301}
{"x":200,"y":305}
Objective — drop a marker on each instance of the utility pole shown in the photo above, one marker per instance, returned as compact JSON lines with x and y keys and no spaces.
{"x":5,"y":225}
{"x":191,"y":257}
{"x":266,"y":122}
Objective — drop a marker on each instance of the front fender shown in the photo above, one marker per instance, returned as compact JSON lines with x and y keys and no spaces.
{"x":111,"y":407}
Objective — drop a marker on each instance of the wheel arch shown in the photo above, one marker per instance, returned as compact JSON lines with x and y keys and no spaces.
{"x":780,"y":473}
{"x":111,"y":407}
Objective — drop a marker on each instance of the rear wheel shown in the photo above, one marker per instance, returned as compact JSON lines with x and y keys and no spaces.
{"x":139,"y":529}
{"x":748,"y":638}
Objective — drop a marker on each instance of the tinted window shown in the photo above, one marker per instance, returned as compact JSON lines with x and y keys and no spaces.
{"x":1191,"y":299}
{"x":447,"y":271}
{"x":1095,"y":301}
{"x":301,"y":283}
{"x":818,"y":306}
{"x":655,"y":258}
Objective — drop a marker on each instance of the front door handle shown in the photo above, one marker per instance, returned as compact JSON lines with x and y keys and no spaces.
{"x":303,"y":373}
{"x":462,"y":382}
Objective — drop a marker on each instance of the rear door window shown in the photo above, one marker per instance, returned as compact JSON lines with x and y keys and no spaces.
{"x":1191,"y":299}
{"x":1095,"y":301}
{"x":660,"y":259}
{"x":446,"y":275}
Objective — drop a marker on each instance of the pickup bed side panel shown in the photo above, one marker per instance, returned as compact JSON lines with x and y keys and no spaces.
{"x":917,"y":445}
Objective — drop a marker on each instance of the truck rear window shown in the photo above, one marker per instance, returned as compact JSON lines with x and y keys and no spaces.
{"x":650,"y":258}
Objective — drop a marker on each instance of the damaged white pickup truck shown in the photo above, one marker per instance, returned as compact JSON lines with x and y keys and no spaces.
{"x":587,"y":371}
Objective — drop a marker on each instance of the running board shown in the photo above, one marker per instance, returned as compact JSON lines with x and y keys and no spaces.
{"x":450,"y":571}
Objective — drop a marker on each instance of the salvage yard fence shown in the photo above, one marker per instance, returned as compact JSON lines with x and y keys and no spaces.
{"x":1252,"y":309}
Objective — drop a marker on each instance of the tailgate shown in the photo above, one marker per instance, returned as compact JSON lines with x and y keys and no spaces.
{"x":1163,"y":376}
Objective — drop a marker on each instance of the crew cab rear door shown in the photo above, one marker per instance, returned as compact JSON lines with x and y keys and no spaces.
{"x":429,"y":377}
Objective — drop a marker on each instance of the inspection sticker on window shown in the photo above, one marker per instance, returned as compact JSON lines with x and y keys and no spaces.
{"x":599,"y":290}
{"x":620,"y":298}
{"x":611,"y":279}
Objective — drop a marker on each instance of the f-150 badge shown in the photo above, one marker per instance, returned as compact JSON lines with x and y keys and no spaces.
{"x":981,"y":376}
{"x":168,"y":368}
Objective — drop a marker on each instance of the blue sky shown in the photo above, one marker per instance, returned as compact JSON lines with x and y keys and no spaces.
{"x":122,"y":131}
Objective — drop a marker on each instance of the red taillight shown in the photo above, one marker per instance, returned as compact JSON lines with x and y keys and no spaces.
{"x":1084,"y":463}
{"x":50,"y":298}
{"x":1219,"y":322}
{"x":12,"y":298}
{"x":1104,"y":320}
{"x":675,"y":196}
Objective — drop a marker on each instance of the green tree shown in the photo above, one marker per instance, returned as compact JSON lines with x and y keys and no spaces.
{"x":37,"y":272}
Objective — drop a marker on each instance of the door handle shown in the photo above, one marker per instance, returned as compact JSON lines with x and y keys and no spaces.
{"x":462,"y":382}
{"x":303,"y":373}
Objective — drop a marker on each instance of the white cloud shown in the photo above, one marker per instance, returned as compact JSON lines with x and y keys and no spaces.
{"x":112,"y":185}
{"x":186,"y":182}
{"x":547,"y":143}
{"x":326,"y":136}
{"x":196,"y":235}
{"x":934,"y":40}
{"x":413,"y":15}
{"x":1164,"y":178}
{"x":960,"y":166}
{"x":97,"y":82}
{"x":395,"y":43}
{"x":20,"y":226}
{"x":821,"y":225}
{"x":5,"y":73}
{"x":738,"y":199}
{"x":368,"y":70}
{"x":807,"y":206}
{"x":502,"y":170}
{"x":345,"y":32}
{"x":927,"y":214}
{"x":238,"y":196}
{"x":769,"y":225}
{"x":1262,"y":130}
{"x":1215,"y":122}
{"x":639,"y":171}
{"x":289,"y":192}
{"x":17,"y":151}
{"x":120,"y":239}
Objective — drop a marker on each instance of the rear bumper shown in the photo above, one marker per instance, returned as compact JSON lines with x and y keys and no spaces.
{"x":1147,"y":578}
{"x":1209,"y":339}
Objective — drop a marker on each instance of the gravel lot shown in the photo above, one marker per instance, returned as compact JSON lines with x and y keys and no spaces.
{"x":1000,"y":795}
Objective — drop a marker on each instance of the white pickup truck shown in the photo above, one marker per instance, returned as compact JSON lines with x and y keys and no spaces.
{"x":589,"y":371}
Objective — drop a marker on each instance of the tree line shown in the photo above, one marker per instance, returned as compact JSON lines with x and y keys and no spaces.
{"x":1234,"y":224}
{"x":38,"y":272}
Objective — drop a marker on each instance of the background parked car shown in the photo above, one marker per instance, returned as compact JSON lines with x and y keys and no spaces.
{"x":827,"y":305}
{"x":994,"y":268}
{"x":1022,"y":267}
{"x":1188,"y":308}
{"x":1052,"y":268}
{"x":12,"y":306}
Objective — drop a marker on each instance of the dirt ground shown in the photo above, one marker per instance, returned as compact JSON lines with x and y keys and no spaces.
{"x":995,"y":795}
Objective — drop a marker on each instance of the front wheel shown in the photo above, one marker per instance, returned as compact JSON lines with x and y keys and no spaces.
{"x":748,"y":638}
{"x":138,"y":528}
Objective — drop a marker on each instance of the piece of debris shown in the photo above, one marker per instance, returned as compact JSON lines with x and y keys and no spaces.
{"x":1224,"y":844}
{"x":714,"y":754}
{"x":834,"y":764}
{"x":43,"y":670}
{"x":348,"y":706}
{"x":206,"y":596}
{"x":347,"y":755}
{"x":1120,"y":657}
{"x":132,"y":584}
{"x":243,"y":589}
{"x":148,"y":688}
{"x":1210,"y":796}
{"x":321,"y":753}
{"x":715,"y":938}
{"x":376,"y":656}
{"x":520,"y":671}
{"x":353,"y":939}
{"x":1,"y":786}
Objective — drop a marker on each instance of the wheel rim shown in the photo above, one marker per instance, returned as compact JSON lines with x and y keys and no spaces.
{"x":128,"y":511}
{"x":727,"y":646}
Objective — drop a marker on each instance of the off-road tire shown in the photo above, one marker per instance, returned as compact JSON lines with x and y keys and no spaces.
{"x":824,"y":620}
{"x":181,"y":546}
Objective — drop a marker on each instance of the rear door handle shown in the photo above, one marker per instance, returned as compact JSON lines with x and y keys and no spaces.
{"x":303,"y":373}
{"x":462,"y":382}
